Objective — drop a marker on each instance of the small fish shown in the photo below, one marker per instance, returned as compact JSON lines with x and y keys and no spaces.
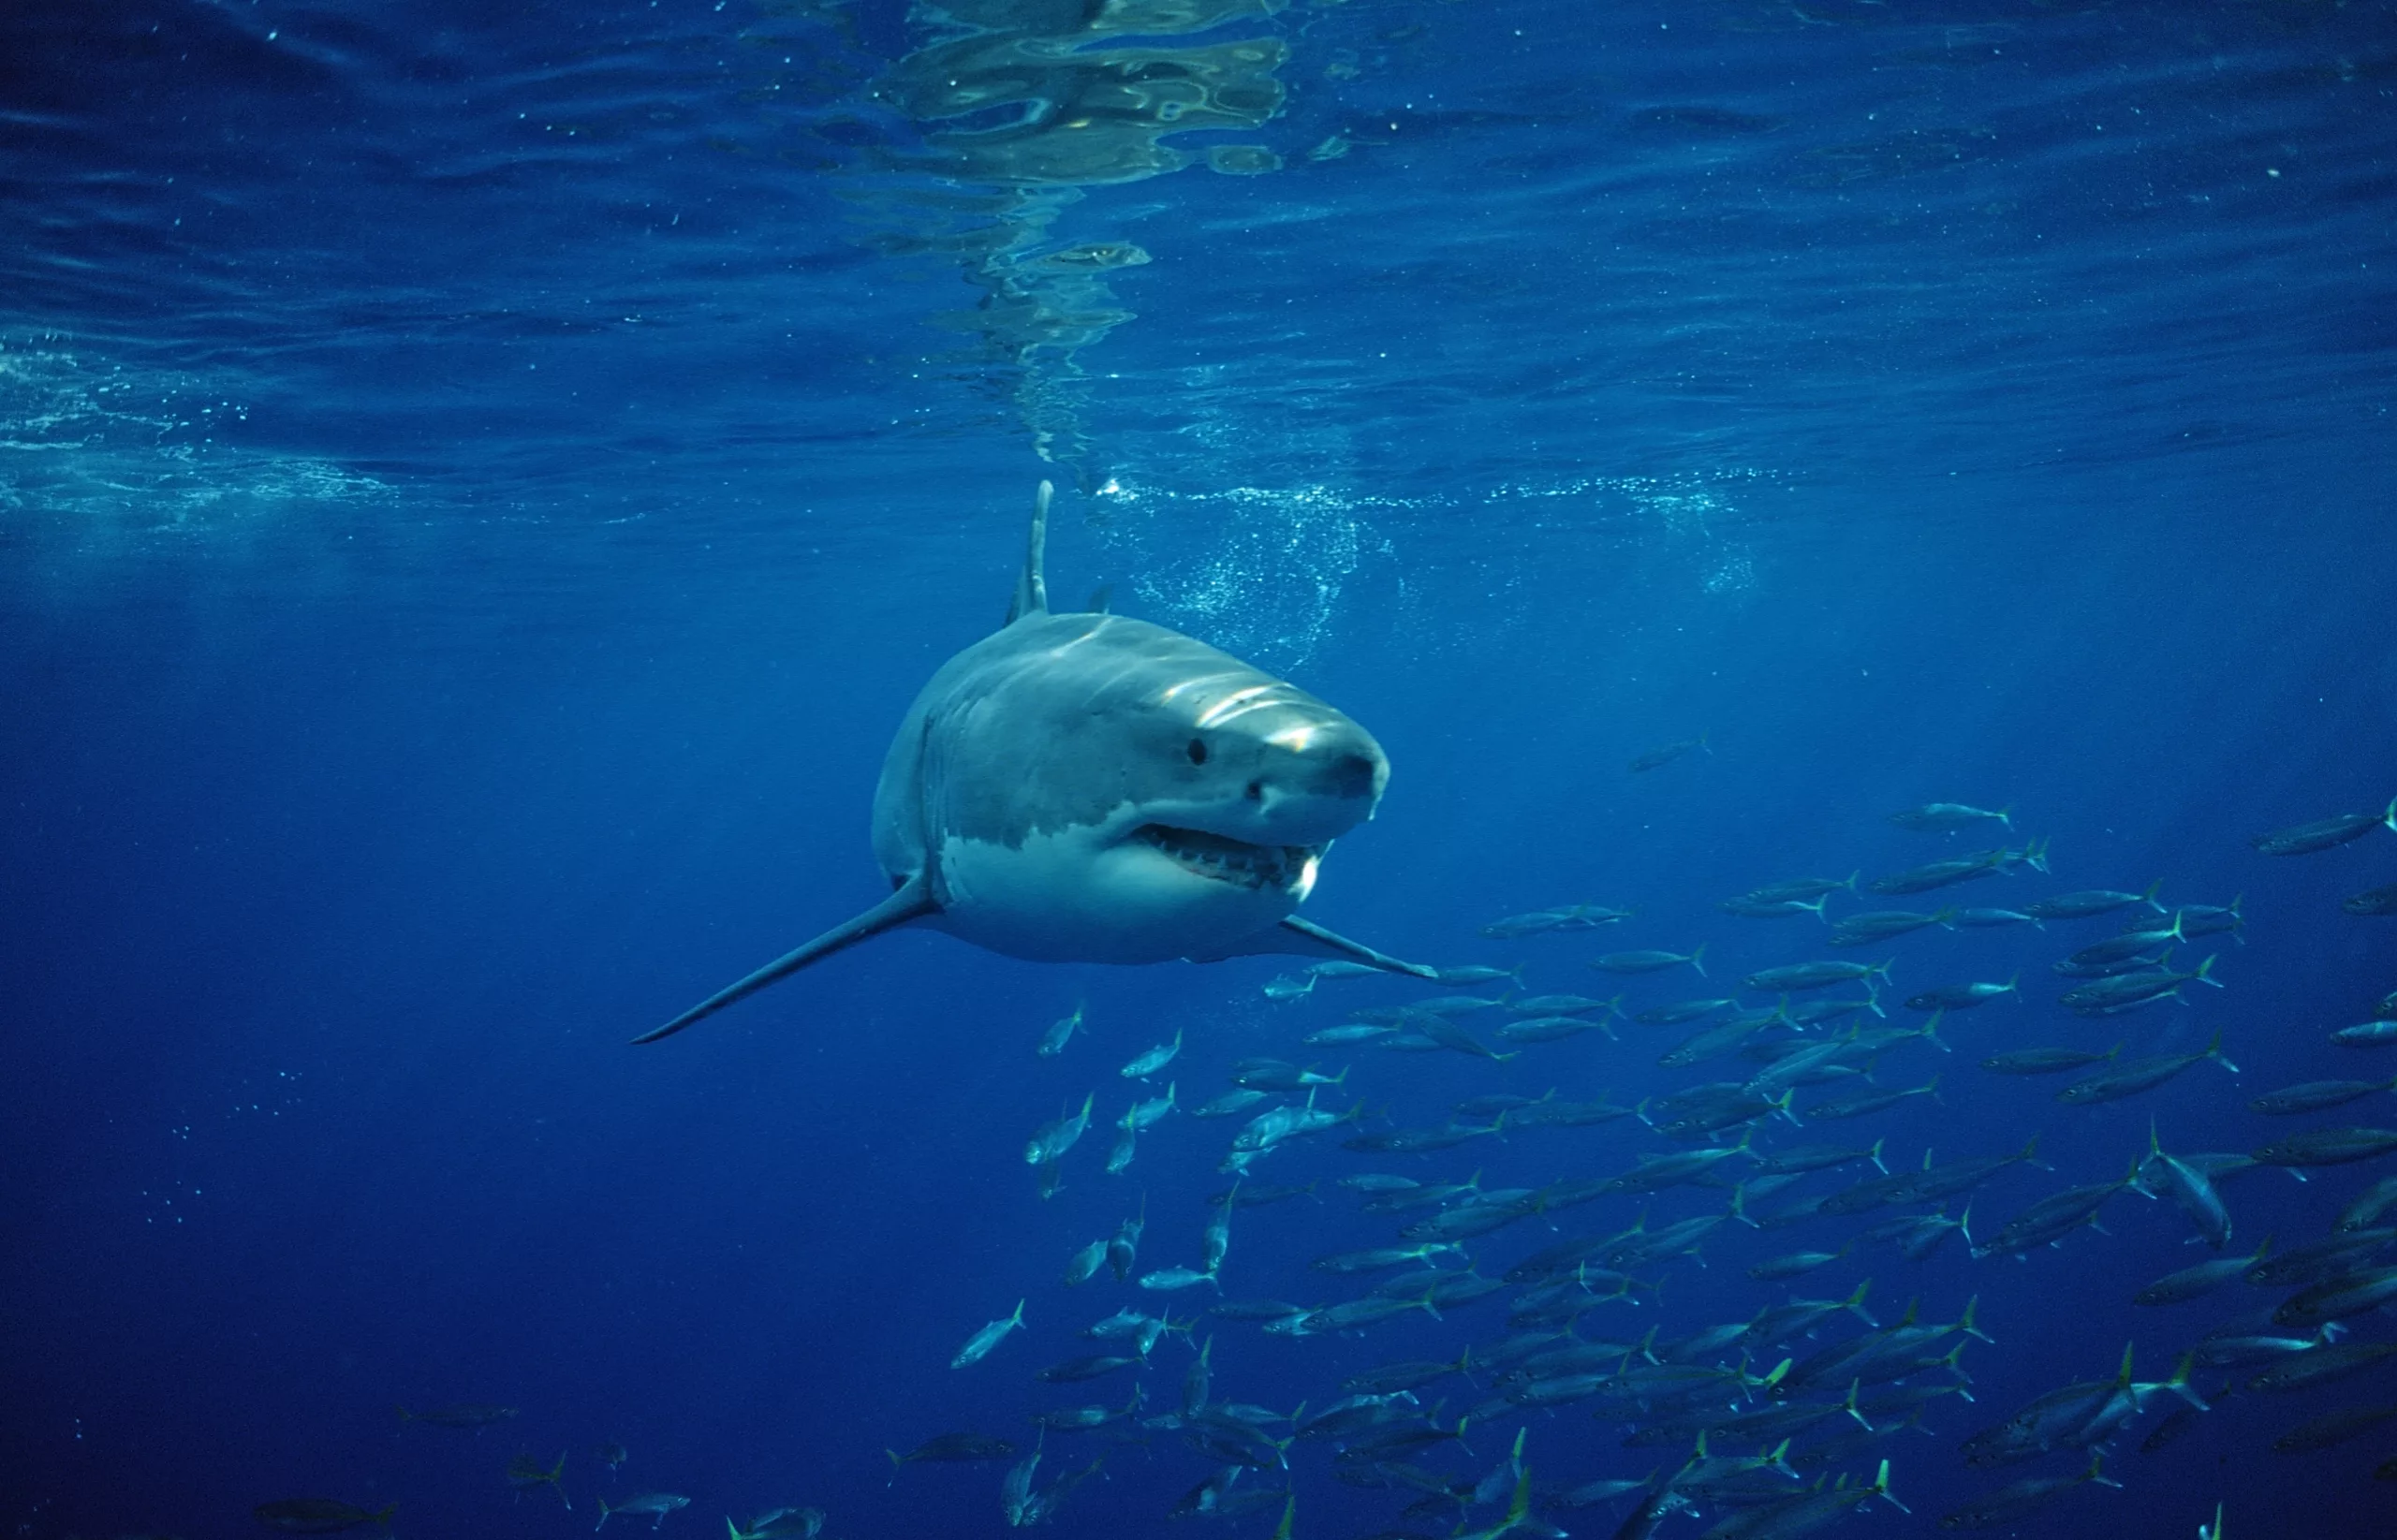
{"x":525,"y":1474}
{"x":1937,"y":874}
{"x":978,"y":1346}
{"x":2048,"y":1060}
{"x":1570,"y":917}
{"x":1276,"y":1075}
{"x":1805,"y":887}
{"x":2328,"y":1147}
{"x":1124,"y":1246}
{"x":319,"y":1516}
{"x":2139,"y":1075}
{"x":656,"y":1504}
{"x":1963,"y":997}
{"x":1084,"y":1264}
{"x":2316,"y":1096}
{"x":1143,"y":1116}
{"x":780,"y":1524}
{"x":1478,"y":972}
{"x":1347,"y":1033}
{"x":1456,"y":1040}
{"x":2323,"y":834}
{"x":1658,"y":758}
{"x":1291,"y":986}
{"x":2191,"y":1190}
{"x":1155,"y":1059}
{"x":1817,"y":1157}
{"x":1865,"y":1103}
{"x":1170,"y":1279}
{"x":2128,"y":991}
{"x":2378,"y":900}
{"x":1687,"y":1010}
{"x":1748,"y":906}
{"x":1990,"y":919}
{"x":1048,"y":1146}
{"x":1215,"y":1242}
{"x":2092,"y":902}
{"x":1090,"y":1367}
{"x":2334,"y":1427}
{"x":1650,"y":962}
{"x":1550,"y":1029}
{"x":2320,"y":1261}
{"x":1127,"y":1144}
{"x":2021,"y":1498}
{"x":1946,"y":817}
{"x":2336,"y":1299}
{"x":1813,"y":975}
{"x":1564,"y":1005}
{"x":470,"y":1415}
{"x":2170,"y":1432}
{"x":1060,"y":1033}
{"x":2321,"y":1366}
{"x":2369,"y":1206}
{"x":1792,"y":1266}
{"x":1883,"y":925}
{"x":1231,"y":1104}
{"x":954,"y":1448}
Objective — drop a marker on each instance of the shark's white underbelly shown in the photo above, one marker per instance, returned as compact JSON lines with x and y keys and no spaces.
{"x":1076,"y":897}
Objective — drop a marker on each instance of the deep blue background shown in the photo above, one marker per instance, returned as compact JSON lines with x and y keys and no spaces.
{"x":475,"y":498}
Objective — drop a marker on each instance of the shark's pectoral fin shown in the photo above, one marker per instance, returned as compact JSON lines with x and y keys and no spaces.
{"x":1304,"y":938}
{"x":912,"y":902}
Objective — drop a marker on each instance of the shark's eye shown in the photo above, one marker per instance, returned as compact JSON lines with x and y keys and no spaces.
{"x":1198,"y":751}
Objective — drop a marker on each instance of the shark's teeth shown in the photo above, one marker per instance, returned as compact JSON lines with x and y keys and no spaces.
{"x":1259,"y":866}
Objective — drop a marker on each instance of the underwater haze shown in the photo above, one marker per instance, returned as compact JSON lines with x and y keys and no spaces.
{"x":481,"y":485}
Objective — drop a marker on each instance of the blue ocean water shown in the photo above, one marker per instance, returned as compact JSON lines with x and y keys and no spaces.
{"x":479,"y":487}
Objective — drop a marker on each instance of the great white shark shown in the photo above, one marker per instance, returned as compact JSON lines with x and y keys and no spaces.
{"x":1088,"y":787}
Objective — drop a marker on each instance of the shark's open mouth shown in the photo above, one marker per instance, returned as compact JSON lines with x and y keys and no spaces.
{"x":1260,"y":866}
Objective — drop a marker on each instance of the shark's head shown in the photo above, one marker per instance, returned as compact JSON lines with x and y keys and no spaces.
{"x":1246,"y":780}
{"x":1133,"y":791}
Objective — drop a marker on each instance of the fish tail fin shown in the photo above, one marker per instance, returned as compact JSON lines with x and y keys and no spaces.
{"x":2205,"y":972}
{"x":1881,"y":1489}
{"x":1876,"y":1155}
{"x":2179,"y":1383}
{"x":2148,"y":898}
{"x":1849,"y":1406}
{"x":1931,"y":1030}
{"x":603,"y":1516}
{"x":405,"y":1415}
{"x":1697,"y":957}
{"x":2096,"y":1470}
{"x":382,"y":1516}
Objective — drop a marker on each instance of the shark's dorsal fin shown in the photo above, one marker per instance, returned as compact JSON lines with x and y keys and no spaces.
{"x":1032,"y":589}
